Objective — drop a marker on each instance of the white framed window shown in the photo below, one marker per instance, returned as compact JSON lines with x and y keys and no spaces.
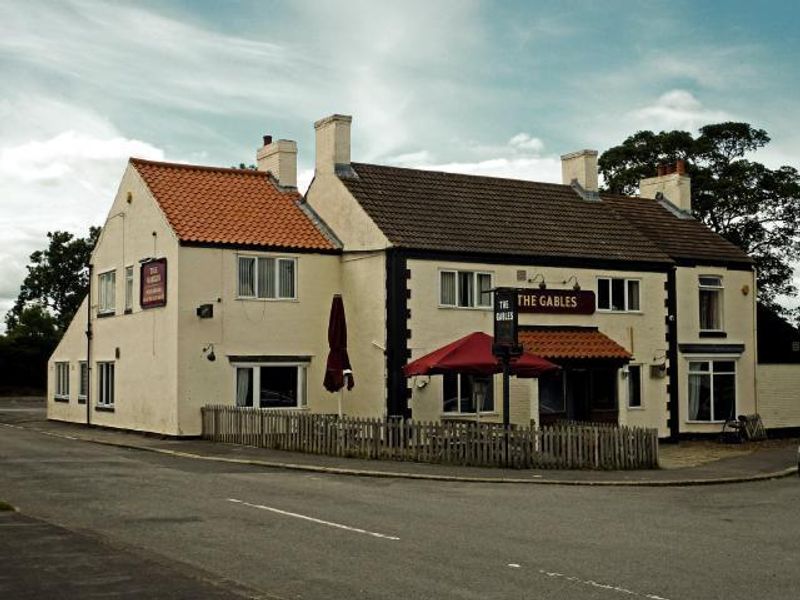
{"x":62,"y":380}
{"x":267,"y":277}
{"x":712,"y":390}
{"x":618,"y":294}
{"x":106,"y":292}
{"x":83,"y":382}
{"x":105,"y":384}
{"x":128,"y":289}
{"x":467,"y":394}
{"x":552,"y":393}
{"x":634,"y":386}
{"x":465,"y":289}
{"x":272,"y":385}
{"x":710,"y":302}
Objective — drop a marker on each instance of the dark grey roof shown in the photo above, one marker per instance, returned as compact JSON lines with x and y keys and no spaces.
{"x":433,"y":210}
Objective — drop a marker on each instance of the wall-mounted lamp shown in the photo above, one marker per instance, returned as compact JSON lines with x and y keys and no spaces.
{"x":422,"y":381}
{"x":542,"y":283}
{"x":205,"y":311}
{"x":576,"y":286}
{"x":209,"y":352}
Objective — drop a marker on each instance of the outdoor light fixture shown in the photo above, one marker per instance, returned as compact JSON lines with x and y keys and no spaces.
{"x":422,"y":381}
{"x":205,"y":311}
{"x":209,"y":352}
{"x":542,"y":283}
{"x":577,"y":286}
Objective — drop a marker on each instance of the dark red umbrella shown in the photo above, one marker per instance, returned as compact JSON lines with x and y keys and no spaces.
{"x":338,"y":361}
{"x":472,"y":355}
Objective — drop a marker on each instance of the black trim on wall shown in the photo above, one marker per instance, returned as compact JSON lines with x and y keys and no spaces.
{"x":672,"y":354}
{"x":712,"y":348}
{"x":396,"y":328}
{"x":543,"y":261}
{"x":266,"y":358}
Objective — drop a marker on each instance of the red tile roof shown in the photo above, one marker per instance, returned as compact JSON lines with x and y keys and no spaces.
{"x":582,"y":343}
{"x":240,"y":207}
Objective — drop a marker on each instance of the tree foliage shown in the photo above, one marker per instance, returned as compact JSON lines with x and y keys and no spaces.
{"x":755,"y":207}
{"x":57,"y":281}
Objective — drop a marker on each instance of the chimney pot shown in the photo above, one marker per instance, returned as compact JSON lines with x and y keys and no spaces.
{"x":672,"y":183}
{"x":267,"y":140}
{"x":661,"y":170}
{"x":680,"y":166}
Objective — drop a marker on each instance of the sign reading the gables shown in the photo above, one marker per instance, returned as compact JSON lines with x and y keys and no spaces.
{"x":573,"y":302}
{"x":505,"y":318}
{"x":153,"y":284}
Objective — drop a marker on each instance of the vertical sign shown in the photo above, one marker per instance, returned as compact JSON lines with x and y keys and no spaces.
{"x":153,"y":284}
{"x":505,"y":321}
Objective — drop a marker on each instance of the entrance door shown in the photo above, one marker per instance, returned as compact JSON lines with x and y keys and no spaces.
{"x":578,"y":394}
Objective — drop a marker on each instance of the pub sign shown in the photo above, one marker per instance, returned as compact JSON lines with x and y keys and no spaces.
{"x":153,"y":283}
{"x":505,"y":319}
{"x":572,"y":302}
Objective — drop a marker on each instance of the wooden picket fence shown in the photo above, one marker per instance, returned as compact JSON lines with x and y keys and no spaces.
{"x":571,"y":446}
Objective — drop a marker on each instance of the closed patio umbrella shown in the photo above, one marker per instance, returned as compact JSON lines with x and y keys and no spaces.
{"x":338,"y":372}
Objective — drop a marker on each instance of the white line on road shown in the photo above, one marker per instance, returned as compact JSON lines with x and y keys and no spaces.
{"x":314,"y":520}
{"x":604,"y":586}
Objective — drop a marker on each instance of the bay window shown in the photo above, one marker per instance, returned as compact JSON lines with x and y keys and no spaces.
{"x":712,"y":390}
{"x":710,"y":301}
{"x":275,"y":385}
{"x":618,"y":294}
{"x":465,"y":289}
{"x":467,"y":394}
{"x":267,"y":277}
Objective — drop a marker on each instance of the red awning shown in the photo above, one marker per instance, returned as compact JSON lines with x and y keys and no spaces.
{"x":472,"y":355}
{"x":572,"y":344}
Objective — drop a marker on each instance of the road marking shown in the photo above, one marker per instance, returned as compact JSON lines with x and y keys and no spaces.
{"x":603,"y":586}
{"x":314,"y":520}
{"x":514,"y":565}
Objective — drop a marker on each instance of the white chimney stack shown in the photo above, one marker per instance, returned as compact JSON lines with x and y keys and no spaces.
{"x":280,"y":159}
{"x":333,"y":143}
{"x":672,"y":183}
{"x":580,"y":166}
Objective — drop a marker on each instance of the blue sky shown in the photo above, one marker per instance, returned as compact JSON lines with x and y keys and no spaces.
{"x":500,"y":88}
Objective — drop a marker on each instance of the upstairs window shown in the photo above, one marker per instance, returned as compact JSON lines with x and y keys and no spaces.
{"x":106,"y":292}
{"x":618,"y":294}
{"x":267,"y":278}
{"x":128,"y":289}
{"x":710,"y":303}
{"x":465,"y":289}
{"x":62,"y":380}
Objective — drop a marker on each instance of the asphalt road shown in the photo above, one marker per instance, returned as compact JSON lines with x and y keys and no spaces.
{"x":293,"y":535}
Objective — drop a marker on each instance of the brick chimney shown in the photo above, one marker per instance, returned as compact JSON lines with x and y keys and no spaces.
{"x":333,"y":143}
{"x":279,"y":158}
{"x":672,"y":182}
{"x":580,"y":166}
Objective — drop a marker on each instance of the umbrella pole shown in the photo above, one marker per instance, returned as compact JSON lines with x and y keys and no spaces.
{"x":341,"y":398}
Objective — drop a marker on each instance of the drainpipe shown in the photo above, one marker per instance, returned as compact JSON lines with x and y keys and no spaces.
{"x":89,"y":351}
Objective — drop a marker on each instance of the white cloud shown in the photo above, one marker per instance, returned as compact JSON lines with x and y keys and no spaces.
{"x":677,"y":109}
{"x":524,"y":141}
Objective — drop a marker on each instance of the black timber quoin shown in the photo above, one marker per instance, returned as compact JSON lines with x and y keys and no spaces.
{"x":396,"y":333}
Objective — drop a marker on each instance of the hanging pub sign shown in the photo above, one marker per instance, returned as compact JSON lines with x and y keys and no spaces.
{"x":573,"y":302}
{"x":153,"y":283}
{"x":505,"y":321}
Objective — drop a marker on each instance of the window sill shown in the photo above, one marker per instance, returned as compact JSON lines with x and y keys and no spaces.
{"x":247,"y":299}
{"x":472,"y":308}
{"x":607,"y":311}
{"x":705,"y":422}
{"x":103,"y":315}
{"x":636,"y":408}
{"x":459,"y":416}
{"x":60,"y":398}
{"x":713,"y":334}
{"x":101,"y":408}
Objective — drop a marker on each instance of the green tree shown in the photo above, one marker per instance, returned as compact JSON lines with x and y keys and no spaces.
{"x":25,"y":349}
{"x":57,"y":280}
{"x":755,"y":207}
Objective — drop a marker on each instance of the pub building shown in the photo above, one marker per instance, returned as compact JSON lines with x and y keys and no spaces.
{"x":649,"y":314}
